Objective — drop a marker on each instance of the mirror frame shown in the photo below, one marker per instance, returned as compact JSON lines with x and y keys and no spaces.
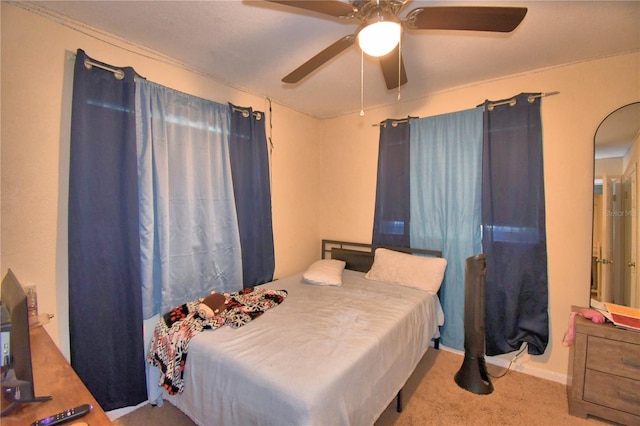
{"x":595,"y":265}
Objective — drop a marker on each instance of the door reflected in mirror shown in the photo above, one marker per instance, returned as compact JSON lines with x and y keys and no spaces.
{"x":614,"y":276}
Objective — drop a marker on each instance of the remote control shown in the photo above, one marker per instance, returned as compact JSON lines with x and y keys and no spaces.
{"x":65,"y":416}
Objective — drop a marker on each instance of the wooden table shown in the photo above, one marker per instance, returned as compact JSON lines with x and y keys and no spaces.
{"x":53,"y":376}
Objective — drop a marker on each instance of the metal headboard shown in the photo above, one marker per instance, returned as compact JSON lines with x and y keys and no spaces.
{"x":359,"y":256}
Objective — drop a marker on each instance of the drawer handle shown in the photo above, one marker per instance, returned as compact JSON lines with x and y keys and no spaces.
{"x":631,"y":362}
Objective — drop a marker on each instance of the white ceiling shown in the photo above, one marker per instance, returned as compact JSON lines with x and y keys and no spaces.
{"x":251,"y":45}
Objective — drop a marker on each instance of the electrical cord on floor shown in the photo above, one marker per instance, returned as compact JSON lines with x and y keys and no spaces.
{"x":510,"y":363}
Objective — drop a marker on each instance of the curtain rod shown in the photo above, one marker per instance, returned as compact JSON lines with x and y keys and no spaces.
{"x":117,"y":73}
{"x":394,"y":123}
{"x":245,"y":113}
{"x":88,"y":64}
{"x":510,"y":102}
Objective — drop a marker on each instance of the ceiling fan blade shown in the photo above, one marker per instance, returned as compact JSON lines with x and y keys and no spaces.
{"x":499,"y":19}
{"x":317,"y":61}
{"x":328,"y":7}
{"x":390,"y":67}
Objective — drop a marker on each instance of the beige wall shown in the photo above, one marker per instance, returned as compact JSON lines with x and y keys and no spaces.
{"x":610,"y":166}
{"x":323,"y":172}
{"x":589,"y":91}
{"x":36,"y":89}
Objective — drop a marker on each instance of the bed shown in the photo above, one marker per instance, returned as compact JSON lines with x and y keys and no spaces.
{"x":328,"y":355}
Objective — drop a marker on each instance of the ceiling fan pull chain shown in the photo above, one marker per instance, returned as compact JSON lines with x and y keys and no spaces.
{"x":399,"y":68}
{"x":361,"y":83}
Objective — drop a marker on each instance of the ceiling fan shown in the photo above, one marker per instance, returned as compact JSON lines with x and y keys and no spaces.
{"x":377,"y":16}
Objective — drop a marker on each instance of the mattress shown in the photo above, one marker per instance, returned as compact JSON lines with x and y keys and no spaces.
{"x":326,"y":355}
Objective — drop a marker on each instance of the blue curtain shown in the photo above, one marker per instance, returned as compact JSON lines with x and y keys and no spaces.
{"x":252,"y":191}
{"x":188,"y":227}
{"x":446,"y":176}
{"x":105,"y":309}
{"x":513,"y":223}
{"x":391,"y":221}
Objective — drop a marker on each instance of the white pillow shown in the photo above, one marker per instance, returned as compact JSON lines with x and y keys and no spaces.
{"x":325,"y":272}
{"x":421,"y":272}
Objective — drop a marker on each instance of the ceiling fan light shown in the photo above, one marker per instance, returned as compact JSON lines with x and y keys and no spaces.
{"x":379,"y":38}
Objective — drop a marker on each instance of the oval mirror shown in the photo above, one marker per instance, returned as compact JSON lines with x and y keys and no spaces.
{"x":614,"y":275}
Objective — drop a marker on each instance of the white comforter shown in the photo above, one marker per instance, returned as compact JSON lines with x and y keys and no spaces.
{"x":325,"y":356}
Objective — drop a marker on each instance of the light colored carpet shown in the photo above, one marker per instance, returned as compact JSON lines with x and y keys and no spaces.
{"x":431,"y":397}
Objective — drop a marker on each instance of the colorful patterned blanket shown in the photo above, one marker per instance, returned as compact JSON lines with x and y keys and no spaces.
{"x":175,"y":329}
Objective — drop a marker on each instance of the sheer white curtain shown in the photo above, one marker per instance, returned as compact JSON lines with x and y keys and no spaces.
{"x":188,"y":227}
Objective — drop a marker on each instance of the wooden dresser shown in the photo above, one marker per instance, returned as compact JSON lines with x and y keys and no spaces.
{"x":604,"y":373}
{"x":53,"y":376}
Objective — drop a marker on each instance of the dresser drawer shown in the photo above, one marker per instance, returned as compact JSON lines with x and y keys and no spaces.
{"x":612,"y":391}
{"x":613,"y":356}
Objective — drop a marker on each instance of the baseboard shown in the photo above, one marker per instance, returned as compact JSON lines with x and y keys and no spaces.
{"x":526,"y":368}
{"x":114,"y":414}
